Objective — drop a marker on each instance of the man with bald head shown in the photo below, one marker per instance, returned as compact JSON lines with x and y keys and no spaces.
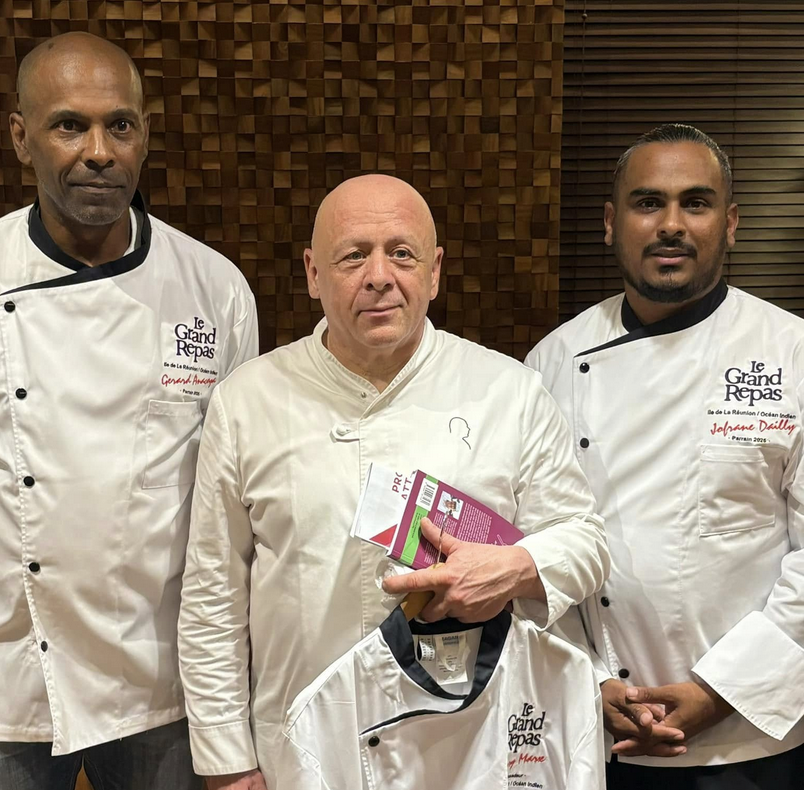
{"x":275,"y":589}
{"x":76,"y":198}
{"x":113,"y":330}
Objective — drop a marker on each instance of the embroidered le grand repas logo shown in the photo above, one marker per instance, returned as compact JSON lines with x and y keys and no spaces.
{"x":753,"y":385}
{"x":195,"y":340}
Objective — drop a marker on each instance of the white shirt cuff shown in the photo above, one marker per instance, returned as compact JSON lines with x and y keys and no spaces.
{"x":223,"y":749}
{"x":737,"y":668}
{"x":554,"y":574}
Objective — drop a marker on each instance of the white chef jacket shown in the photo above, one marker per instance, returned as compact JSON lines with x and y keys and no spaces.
{"x":689,"y":431}
{"x":273,"y":579}
{"x":105,"y":373}
{"x":528,"y":714}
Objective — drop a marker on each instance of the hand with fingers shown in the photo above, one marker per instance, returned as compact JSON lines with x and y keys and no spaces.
{"x":474,"y":582}
{"x":690,"y":707}
{"x":249,"y":780}
{"x":640,"y":726}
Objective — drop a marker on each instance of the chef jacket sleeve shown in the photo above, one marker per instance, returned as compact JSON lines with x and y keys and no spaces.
{"x":245,"y":335}
{"x":737,"y":666}
{"x":214,"y":647}
{"x":571,"y":629}
{"x":548,"y":357}
{"x":555,"y":510}
{"x":588,"y":761}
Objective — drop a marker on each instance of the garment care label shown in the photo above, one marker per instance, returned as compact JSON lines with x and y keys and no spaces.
{"x":444,"y":657}
{"x":452,"y":652}
{"x":427,"y":651}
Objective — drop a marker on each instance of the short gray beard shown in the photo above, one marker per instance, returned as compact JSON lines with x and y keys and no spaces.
{"x":95,"y":216}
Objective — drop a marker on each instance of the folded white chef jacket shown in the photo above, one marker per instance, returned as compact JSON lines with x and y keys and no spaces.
{"x":513,"y":707}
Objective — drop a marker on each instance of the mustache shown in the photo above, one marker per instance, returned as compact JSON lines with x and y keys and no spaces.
{"x":671,"y":244}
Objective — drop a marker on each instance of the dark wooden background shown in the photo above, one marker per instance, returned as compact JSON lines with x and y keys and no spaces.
{"x":259,"y":108}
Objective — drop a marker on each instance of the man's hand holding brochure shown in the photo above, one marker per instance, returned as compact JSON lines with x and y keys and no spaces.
{"x":474,"y":584}
{"x":482,"y":569}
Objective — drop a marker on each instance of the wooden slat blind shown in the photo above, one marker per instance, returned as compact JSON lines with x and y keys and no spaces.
{"x":733,"y":69}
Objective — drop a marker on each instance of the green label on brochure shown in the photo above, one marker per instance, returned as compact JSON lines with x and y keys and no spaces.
{"x":424,"y":504}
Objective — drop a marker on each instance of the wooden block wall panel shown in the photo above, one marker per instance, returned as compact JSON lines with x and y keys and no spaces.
{"x":259,"y":108}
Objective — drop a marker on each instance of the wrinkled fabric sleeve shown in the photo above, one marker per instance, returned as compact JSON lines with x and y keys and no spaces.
{"x":214,"y":647}
{"x":571,"y":629}
{"x":587,"y":763}
{"x":245,"y":335}
{"x":772,"y":700}
{"x":556,"y":511}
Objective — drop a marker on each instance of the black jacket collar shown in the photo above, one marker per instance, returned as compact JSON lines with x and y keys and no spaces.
{"x":684,"y":319}
{"x":398,"y":635}
{"x":81,"y":272}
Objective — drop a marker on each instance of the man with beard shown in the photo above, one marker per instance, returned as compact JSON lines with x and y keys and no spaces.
{"x":114,"y":328}
{"x":685,"y":397}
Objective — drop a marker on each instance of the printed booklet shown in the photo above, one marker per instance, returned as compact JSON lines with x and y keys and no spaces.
{"x":393,"y":504}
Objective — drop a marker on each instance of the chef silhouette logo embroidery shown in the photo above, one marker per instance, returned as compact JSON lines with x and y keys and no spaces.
{"x":460,"y":428}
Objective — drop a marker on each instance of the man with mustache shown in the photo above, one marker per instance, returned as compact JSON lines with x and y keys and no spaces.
{"x":275,"y":588}
{"x":113,"y":330}
{"x":685,"y":398}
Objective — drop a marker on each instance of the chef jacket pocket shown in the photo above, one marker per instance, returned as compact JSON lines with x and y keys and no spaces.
{"x":172,"y":433}
{"x":734,"y":490}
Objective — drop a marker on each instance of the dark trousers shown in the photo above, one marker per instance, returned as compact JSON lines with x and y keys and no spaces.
{"x":780,"y":772}
{"x":158,"y":759}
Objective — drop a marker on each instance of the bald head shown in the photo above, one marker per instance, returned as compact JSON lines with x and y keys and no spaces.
{"x":375,"y":267}
{"x":83,"y":129}
{"x":73,"y":55}
{"x":374,"y":194}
